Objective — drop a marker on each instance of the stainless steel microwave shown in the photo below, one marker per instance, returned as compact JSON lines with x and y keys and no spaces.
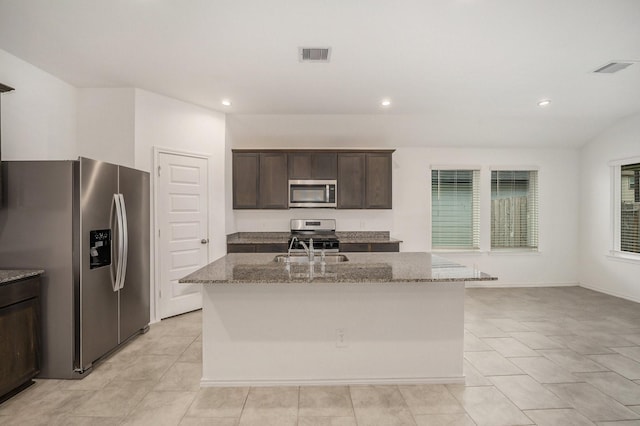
{"x":312,"y":193}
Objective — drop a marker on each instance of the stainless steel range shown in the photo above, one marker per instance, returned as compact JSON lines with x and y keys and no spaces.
{"x":321,"y":231}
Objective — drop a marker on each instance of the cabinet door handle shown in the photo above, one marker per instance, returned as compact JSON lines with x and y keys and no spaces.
{"x":204,"y":241}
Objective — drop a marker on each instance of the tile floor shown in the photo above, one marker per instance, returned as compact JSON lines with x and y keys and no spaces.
{"x":545,"y":356}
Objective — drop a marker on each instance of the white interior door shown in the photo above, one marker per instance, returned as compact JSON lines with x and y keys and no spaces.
{"x":182,"y":235}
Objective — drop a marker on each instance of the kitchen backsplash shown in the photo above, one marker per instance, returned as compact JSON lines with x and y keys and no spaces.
{"x":278,"y":220}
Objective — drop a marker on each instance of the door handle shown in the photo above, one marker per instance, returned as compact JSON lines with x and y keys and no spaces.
{"x":115,"y":265}
{"x":125,"y":245}
{"x":120,"y":247}
{"x":204,"y":241}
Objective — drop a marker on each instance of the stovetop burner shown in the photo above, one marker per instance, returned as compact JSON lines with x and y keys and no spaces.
{"x":322,"y":231}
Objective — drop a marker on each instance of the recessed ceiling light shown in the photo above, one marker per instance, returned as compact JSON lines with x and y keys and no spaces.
{"x":544,"y":102}
{"x":385,"y":102}
{"x":226,"y":102}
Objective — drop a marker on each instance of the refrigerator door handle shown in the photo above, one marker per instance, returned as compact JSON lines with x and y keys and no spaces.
{"x":114,"y":264}
{"x":117,"y":201}
{"x":125,"y":242}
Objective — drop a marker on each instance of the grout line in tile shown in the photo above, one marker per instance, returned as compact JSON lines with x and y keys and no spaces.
{"x":244,"y":403}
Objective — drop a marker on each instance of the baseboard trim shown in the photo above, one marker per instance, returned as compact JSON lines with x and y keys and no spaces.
{"x":333,"y":382}
{"x":496,"y":284}
{"x":611,"y":293}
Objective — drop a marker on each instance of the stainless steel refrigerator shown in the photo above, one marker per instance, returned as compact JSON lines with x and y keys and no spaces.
{"x":86,"y":223}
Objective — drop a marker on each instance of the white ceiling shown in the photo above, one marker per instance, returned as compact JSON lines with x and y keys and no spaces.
{"x":486,"y":60}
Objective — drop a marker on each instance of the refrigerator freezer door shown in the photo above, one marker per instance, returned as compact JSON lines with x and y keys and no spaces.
{"x":98,"y":308}
{"x":134,"y":294}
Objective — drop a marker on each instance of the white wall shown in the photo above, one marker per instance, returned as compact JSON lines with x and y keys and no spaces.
{"x":48,"y":119}
{"x":39,"y":117}
{"x":168,"y":123}
{"x":106,"y":122}
{"x":554,"y":264}
{"x":556,"y":261}
{"x":598,"y":270}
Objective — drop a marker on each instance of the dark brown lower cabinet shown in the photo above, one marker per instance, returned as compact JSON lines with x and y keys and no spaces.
{"x":370,"y":247}
{"x":19,"y":334}
{"x":257,"y":248}
{"x":282,"y":247}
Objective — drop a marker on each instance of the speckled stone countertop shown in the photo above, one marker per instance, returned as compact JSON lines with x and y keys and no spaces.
{"x":283,"y":237}
{"x":360,"y":268}
{"x":258,"y":238}
{"x":9,"y":275}
{"x":365,"y":237}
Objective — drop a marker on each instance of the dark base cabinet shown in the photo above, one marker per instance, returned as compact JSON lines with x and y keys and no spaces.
{"x":257,"y":248}
{"x":19,"y":334}
{"x":370,"y":247}
{"x":282,"y":248}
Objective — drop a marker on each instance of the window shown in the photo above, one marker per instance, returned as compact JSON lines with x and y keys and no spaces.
{"x":455,"y":209}
{"x":630,"y":208}
{"x":514,"y":209}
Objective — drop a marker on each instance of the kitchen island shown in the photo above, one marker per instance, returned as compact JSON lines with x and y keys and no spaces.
{"x":352,"y":318}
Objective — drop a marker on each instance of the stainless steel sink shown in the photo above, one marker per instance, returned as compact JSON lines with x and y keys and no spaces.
{"x":299,"y":258}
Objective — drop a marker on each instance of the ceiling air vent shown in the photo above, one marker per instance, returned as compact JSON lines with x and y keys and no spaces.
{"x":612,"y":67}
{"x":314,"y":54}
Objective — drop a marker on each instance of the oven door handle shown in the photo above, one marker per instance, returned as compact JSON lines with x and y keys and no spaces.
{"x":326,"y":194}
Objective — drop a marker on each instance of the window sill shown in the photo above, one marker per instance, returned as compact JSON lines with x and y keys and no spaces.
{"x":624,"y":256}
{"x":457,"y":251}
{"x":514,"y":251}
{"x":498,"y":252}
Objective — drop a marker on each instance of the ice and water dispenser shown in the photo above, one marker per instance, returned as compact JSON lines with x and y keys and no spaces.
{"x":99,"y":248}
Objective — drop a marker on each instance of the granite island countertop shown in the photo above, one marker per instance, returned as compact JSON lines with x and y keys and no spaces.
{"x":10,"y":275}
{"x":256,"y":268}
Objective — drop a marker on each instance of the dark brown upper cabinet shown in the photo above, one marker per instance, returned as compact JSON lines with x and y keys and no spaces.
{"x":364,"y":180}
{"x":260,"y":177}
{"x":260,"y":180}
{"x":246,"y":180}
{"x":351,"y":180}
{"x":274,"y":190}
{"x":378,"y":181}
{"x":313,"y":165}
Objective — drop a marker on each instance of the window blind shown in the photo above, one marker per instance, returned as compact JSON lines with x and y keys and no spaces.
{"x":455,"y":209}
{"x":630,"y":208}
{"x":514,"y":209}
